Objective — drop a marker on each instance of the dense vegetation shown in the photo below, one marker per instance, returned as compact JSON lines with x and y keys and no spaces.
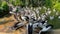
{"x":4,"y":9}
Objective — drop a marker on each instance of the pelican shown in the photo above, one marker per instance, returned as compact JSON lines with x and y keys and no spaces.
{"x":45,"y":29}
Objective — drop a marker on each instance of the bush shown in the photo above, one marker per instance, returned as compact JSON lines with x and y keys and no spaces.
{"x":4,"y":9}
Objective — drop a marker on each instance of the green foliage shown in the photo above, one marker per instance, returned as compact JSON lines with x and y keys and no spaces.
{"x":11,"y":1}
{"x":34,"y":3}
{"x":48,"y":3}
{"x":0,"y":3}
{"x":4,"y":9}
{"x":57,"y":6}
{"x":16,"y":2}
{"x":5,"y":6}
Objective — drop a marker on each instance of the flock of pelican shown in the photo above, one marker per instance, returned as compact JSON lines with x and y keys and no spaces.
{"x":31,"y":19}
